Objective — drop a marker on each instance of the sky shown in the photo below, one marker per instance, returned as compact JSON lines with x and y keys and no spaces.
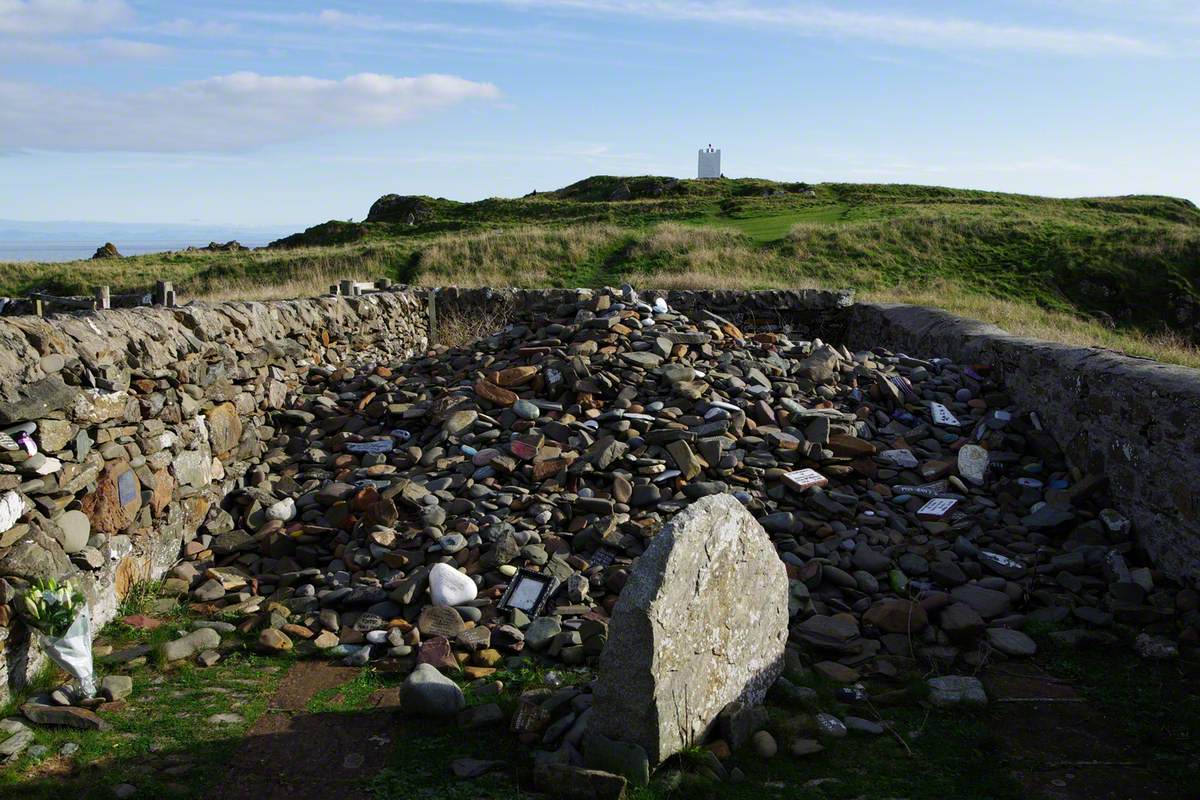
{"x":291,"y":113}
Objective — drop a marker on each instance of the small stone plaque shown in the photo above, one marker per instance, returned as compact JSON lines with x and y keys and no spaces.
{"x":528,"y":592}
{"x":476,"y":638}
{"x":936,"y":508}
{"x":127,"y":488}
{"x":942,"y":416}
{"x":802,"y":479}
{"x":601,"y":558}
{"x":373,"y":446}
{"x":440,"y":621}
{"x":927,"y":490}
{"x":900,"y":458}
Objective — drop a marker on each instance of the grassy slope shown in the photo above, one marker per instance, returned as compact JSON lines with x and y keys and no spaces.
{"x":1064,"y":269}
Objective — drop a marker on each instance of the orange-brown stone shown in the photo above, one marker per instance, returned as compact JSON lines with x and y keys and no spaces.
{"x":164,"y":490}
{"x":515,"y":376}
{"x":114,"y":504}
{"x":224,"y":429}
{"x":494,"y":394}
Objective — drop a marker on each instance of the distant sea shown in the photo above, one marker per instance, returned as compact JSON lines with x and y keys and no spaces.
{"x":72,"y":251}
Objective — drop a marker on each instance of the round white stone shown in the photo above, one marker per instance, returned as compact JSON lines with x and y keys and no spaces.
{"x":449,"y":587}
{"x":973,"y":463}
{"x":76,"y":528}
{"x":283,"y":511}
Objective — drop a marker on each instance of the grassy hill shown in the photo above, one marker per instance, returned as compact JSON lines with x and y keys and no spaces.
{"x":1119,"y":271}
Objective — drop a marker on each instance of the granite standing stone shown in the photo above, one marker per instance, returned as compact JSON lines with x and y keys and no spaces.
{"x":701,"y":622}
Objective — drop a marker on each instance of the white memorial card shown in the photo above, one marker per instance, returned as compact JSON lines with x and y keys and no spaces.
{"x":804,"y":478}
{"x":942,"y":415}
{"x":936,"y":508}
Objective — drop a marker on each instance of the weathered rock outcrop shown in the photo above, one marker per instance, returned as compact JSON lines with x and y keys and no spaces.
{"x":406,"y":209}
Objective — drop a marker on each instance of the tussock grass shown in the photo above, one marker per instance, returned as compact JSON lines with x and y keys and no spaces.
{"x":461,"y":327}
{"x":524,"y":256}
{"x":1118,"y":272}
{"x":1025,"y":319}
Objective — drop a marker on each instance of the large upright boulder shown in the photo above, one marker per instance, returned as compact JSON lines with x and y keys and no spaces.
{"x":701,"y":622}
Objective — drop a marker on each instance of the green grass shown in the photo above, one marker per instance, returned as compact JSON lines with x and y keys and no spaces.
{"x":1116,"y":272}
{"x":159,"y":742}
{"x":420,"y":764}
{"x":764,"y":228}
{"x":1157,"y":704}
{"x":952,"y":756}
{"x":352,"y":695}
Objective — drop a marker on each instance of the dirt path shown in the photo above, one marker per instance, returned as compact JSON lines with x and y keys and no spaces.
{"x":295,"y":754}
{"x":1063,"y":746}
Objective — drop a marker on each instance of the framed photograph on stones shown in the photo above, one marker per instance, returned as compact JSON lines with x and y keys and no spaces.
{"x":528,"y":592}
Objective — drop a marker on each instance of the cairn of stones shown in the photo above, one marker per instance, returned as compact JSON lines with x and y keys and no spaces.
{"x":693,"y":507}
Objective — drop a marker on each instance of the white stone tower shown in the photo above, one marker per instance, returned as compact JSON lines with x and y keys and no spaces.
{"x":710,"y":163}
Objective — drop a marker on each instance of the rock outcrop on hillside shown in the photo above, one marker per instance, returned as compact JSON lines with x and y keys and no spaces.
{"x":405,"y":209}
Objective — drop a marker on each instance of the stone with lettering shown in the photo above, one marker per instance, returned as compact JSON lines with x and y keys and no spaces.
{"x":114,"y":504}
{"x":943,"y":416}
{"x":802,"y":479}
{"x":937,"y":508}
{"x":973,"y":463}
{"x":900,"y":458}
{"x":373,"y":446}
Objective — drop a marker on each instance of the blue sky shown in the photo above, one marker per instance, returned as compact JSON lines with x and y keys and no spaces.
{"x":291,"y":113}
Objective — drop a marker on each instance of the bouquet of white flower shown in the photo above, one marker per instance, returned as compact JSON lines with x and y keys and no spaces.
{"x":60,"y":613}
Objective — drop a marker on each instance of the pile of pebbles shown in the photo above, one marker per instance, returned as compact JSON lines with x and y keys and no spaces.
{"x":922,"y":517}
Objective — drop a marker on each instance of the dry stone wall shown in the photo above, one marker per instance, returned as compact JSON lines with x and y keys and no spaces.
{"x":144,"y":419}
{"x":1134,"y":421}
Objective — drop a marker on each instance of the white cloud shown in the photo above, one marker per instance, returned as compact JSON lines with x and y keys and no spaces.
{"x":57,"y":17}
{"x":890,"y":28}
{"x":333,"y":19}
{"x":63,"y":31}
{"x":88,"y":51}
{"x":35,"y":50}
{"x":182,"y":26}
{"x":223,"y":113}
{"x":128,"y":48}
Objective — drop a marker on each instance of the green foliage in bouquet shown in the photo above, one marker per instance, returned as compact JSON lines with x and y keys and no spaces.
{"x":51,"y":606}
